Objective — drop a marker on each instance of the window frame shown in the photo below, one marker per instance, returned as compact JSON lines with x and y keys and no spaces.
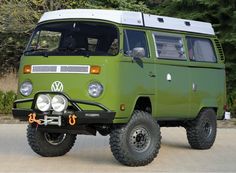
{"x":126,"y":39}
{"x":154,"y":33}
{"x":212,"y":46}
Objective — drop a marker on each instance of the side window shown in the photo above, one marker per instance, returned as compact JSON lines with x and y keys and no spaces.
{"x":134,"y":39}
{"x":200,"y":50}
{"x":169,"y":46}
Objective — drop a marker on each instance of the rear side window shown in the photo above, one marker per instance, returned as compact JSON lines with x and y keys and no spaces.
{"x":200,"y":50}
{"x":169,"y":46}
{"x":134,"y":39}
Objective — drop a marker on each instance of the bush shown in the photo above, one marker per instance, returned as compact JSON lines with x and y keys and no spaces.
{"x":2,"y":98}
{"x":9,"y":99}
{"x":234,"y":109}
{"x":6,"y":101}
{"x":232,"y":104}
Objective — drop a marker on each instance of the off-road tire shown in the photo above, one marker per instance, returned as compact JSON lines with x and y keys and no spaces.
{"x":121,"y":139}
{"x":41,"y":146}
{"x":201,"y":133}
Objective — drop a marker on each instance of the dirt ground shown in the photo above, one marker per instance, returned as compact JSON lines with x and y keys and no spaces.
{"x":92,"y":154}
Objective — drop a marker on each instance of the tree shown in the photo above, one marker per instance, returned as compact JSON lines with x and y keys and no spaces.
{"x":17,"y":16}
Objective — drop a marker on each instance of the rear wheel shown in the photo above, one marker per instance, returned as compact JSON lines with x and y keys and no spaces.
{"x":49,"y":144}
{"x":138,"y":142}
{"x":201,"y":133}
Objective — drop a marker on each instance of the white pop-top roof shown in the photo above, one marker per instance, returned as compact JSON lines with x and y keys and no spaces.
{"x":131,"y":18}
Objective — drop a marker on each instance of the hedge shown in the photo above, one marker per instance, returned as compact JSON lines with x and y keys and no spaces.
{"x":6,"y":101}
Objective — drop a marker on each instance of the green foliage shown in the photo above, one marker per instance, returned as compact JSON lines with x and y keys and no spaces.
{"x":127,"y":5}
{"x":6,"y":101}
{"x":135,"y":5}
{"x":2,"y":98}
{"x":17,"y":16}
{"x":10,"y":97}
{"x":11,"y":48}
{"x":232,"y":103}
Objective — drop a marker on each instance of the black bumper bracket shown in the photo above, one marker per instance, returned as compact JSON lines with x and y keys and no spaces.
{"x":103,"y":116}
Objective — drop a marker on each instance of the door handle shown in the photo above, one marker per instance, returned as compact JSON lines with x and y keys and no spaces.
{"x":168,"y":77}
{"x":194,"y":87}
{"x":151,"y":74}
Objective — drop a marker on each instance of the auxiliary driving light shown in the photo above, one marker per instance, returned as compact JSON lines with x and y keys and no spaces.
{"x":43,"y":103}
{"x":59,"y":103}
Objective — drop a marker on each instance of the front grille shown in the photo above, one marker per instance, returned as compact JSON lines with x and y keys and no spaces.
{"x":84,"y":69}
{"x":44,"y":69}
{"x":75,"y":69}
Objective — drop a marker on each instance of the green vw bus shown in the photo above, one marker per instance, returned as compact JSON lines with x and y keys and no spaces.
{"x":123,"y":74}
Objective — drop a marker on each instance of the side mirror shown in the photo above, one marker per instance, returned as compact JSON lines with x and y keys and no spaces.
{"x":138,"y":52}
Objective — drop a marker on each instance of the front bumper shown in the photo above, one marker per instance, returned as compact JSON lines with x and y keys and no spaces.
{"x":103,"y":116}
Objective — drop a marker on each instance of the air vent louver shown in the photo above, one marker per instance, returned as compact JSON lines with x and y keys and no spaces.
{"x":220,"y":49}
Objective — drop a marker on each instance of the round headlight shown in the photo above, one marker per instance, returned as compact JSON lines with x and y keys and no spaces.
{"x":43,"y":103}
{"x":59,"y":103}
{"x":26,"y":88}
{"x":95,"y":89}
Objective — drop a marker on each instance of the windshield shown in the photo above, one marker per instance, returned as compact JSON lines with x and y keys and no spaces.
{"x":74,"y":38}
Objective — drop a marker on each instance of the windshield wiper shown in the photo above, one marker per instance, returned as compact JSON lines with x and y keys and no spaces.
{"x":75,"y":51}
{"x":38,"y":51}
{"x":85,"y":53}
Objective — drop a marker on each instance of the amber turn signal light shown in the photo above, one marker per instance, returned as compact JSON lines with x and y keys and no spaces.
{"x":95,"y":69}
{"x":27,"y":69}
{"x":122,"y":107}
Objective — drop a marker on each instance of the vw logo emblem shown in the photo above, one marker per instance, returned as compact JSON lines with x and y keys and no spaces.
{"x":57,"y":86}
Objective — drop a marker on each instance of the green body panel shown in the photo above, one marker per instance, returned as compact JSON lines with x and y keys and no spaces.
{"x":125,"y":80}
{"x":210,"y":89}
{"x":178,"y":99}
{"x":135,"y":82}
{"x":172,"y":97}
{"x":76,"y":85}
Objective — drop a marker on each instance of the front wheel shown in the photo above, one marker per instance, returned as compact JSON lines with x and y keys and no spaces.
{"x":201,"y":133}
{"x":49,"y":144}
{"x":138,"y":142}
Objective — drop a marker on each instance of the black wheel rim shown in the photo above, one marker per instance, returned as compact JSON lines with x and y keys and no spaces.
{"x":139,"y":139}
{"x":54,"y":138}
{"x":207,"y":129}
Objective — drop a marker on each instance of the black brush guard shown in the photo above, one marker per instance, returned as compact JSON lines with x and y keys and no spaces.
{"x":103,"y":116}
